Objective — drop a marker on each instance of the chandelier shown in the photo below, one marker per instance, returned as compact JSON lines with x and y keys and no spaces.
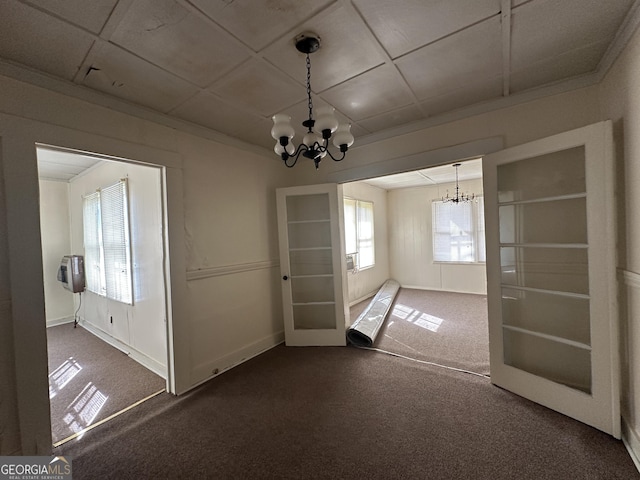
{"x":315,"y":143}
{"x":459,"y":197}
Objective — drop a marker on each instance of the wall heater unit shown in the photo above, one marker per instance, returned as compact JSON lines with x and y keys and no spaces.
{"x":71,"y":273}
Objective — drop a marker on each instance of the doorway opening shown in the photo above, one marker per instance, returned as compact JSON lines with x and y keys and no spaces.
{"x":440,"y":313}
{"x":106,"y":352}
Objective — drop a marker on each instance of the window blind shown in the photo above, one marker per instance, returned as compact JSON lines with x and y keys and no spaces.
{"x":458,"y":231}
{"x":115,"y":241}
{"x":92,"y":238}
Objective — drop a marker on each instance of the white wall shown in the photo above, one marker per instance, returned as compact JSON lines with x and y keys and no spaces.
{"x":56,"y":242}
{"x":620,"y":102}
{"x":411,"y":242}
{"x":226,"y":302}
{"x":140,"y":326}
{"x":218,"y":279}
{"x":366,"y":282}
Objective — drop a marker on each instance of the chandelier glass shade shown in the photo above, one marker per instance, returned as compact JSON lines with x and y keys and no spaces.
{"x":320,"y":130}
{"x":459,"y":197}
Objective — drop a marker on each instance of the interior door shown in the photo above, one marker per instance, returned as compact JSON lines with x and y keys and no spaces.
{"x":551,"y":273}
{"x":312,"y":262}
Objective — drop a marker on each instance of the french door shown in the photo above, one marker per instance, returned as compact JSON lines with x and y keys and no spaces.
{"x":551,"y":273}
{"x":312,"y":264}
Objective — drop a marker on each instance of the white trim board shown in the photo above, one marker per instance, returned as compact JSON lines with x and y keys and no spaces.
{"x":139,"y":357}
{"x":631,"y":443}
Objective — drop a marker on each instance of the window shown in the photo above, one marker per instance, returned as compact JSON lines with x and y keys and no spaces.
{"x":358,"y":221}
{"x":458,"y":231}
{"x":106,"y":243}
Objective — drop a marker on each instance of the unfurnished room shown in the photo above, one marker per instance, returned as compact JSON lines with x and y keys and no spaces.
{"x":320,"y":239}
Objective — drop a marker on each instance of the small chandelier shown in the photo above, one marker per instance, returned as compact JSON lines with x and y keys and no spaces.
{"x":459,"y":197}
{"x":314,"y":146}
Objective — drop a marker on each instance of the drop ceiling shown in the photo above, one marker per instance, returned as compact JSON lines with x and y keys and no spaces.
{"x":229,"y":65}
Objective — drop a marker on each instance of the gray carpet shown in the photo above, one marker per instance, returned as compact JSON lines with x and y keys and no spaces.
{"x":90,"y":380}
{"x":441,"y":327}
{"x":345,"y":413}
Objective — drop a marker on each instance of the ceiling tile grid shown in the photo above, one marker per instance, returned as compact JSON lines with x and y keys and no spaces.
{"x":229,"y":65}
{"x":33,"y":38}
{"x":179,"y":41}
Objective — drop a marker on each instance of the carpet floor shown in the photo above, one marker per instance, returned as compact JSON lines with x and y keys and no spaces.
{"x":345,"y":413}
{"x":441,"y":327}
{"x":90,"y":380}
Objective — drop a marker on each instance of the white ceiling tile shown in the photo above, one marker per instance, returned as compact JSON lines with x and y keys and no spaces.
{"x":260,"y":87}
{"x":90,"y":15}
{"x":565,"y":65}
{"x":258,"y":24}
{"x":400,"y":116}
{"x":468,"y":170}
{"x":205,"y":109}
{"x":372,"y":93}
{"x":345,"y":50}
{"x":447,"y":65}
{"x":544,"y":29}
{"x":475,"y":91}
{"x":178,"y":40}
{"x":124,"y":75}
{"x":62,"y":166}
{"x":404,"y":25}
{"x":33,"y":38}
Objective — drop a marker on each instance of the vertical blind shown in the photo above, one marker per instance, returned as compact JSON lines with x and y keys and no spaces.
{"x":113,"y":256}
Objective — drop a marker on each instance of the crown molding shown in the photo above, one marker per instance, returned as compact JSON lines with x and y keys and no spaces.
{"x":40,"y":79}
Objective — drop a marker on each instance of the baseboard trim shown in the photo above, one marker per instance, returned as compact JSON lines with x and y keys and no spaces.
{"x":631,"y":443}
{"x":431,"y":289}
{"x":362,"y":299}
{"x":59,"y":321}
{"x":134,"y":354}
{"x":631,"y":279}
{"x":205,"y":371}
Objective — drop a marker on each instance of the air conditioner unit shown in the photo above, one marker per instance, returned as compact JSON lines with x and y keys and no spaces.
{"x":71,"y":273}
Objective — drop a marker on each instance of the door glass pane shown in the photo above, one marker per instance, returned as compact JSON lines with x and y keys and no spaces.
{"x":546,"y":333}
{"x":550,"y":175}
{"x":308,"y":207}
{"x":310,"y":235}
{"x":560,"y":269}
{"x":557,"y":315}
{"x":314,"y":317}
{"x":555,"y":361}
{"x":311,"y":262}
{"x":312,"y":289}
{"x":559,"y":221}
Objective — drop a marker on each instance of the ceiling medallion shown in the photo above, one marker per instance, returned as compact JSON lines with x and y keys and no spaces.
{"x":314,"y":146}
{"x":458,"y":198}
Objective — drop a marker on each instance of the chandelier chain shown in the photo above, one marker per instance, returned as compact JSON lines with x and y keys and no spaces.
{"x":310,"y":104}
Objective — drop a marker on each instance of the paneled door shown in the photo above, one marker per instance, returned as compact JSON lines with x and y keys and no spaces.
{"x":551,"y":272}
{"x":312,"y":264}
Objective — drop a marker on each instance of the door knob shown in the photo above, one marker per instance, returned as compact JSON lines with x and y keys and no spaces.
{"x":285,"y":278}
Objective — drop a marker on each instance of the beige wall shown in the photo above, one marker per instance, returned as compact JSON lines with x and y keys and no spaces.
{"x":139,"y":329}
{"x":54,"y":224}
{"x":620,"y":102}
{"x":231,"y":296}
{"x":222,"y":234}
{"x":366,"y":282}
{"x":411,"y":242}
